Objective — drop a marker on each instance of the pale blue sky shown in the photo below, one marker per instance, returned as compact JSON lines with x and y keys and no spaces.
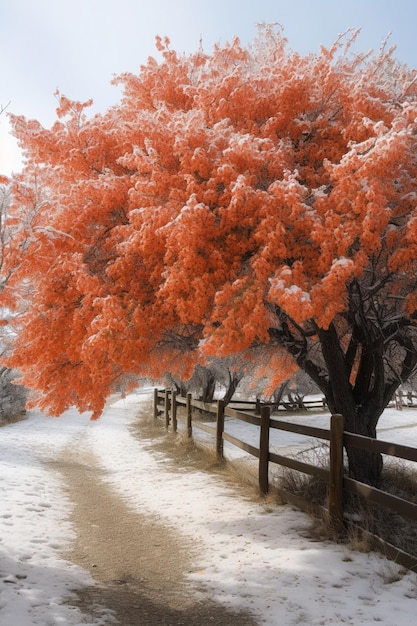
{"x":78,"y":45}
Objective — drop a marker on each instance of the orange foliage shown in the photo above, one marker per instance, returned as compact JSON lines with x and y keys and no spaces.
{"x":223,"y":189}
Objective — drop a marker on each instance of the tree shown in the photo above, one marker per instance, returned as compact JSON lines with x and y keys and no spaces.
{"x":12,"y":396}
{"x":221,"y":375}
{"x":249,"y":199}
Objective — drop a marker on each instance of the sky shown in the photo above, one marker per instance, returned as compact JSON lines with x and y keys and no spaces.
{"x":249,"y":554}
{"x":78,"y":46}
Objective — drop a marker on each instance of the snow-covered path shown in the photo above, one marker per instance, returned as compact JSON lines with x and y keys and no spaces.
{"x":250,"y":556}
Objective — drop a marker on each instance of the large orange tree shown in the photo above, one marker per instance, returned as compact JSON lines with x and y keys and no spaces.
{"x":248,"y":200}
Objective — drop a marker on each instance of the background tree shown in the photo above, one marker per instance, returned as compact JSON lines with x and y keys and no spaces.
{"x":12,"y":396}
{"x":248,"y":199}
{"x":217,"y":379}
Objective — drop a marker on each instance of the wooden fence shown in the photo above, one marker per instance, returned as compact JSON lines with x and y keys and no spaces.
{"x":338,"y":483}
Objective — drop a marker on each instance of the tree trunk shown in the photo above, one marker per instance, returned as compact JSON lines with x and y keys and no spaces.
{"x":234,"y":380}
{"x":352,"y":378}
{"x":364,"y":465}
{"x":361,"y":406}
{"x":209,"y":388}
{"x":278,"y":395}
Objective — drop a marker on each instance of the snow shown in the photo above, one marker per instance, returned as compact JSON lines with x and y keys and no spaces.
{"x":251,"y":555}
{"x":342,"y":262}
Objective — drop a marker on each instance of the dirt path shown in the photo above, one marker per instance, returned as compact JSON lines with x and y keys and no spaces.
{"x":139,"y":564}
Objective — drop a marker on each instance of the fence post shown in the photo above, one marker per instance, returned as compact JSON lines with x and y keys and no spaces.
{"x":188,"y":410}
{"x":166,"y":408}
{"x":219,"y":429}
{"x":174,"y":410}
{"x":336,"y":469}
{"x":264,"y":450}
{"x":155,"y":403}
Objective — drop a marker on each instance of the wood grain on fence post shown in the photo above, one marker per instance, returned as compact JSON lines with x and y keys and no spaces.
{"x":219,"y":429}
{"x":188,"y":410}
{"x":264,"y":450}
{"x":174,"y":410}
{"x":166,"y":408}
{"x":336,"y":469}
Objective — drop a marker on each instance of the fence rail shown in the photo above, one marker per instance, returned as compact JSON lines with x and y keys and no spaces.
{"x":334,"y":476}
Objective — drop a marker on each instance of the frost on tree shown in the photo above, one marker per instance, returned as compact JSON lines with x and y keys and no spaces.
{"x":244,"y":201}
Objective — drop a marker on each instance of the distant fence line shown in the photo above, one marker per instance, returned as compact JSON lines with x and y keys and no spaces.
{"x":404,"y":399}
{"x":338,"y":483}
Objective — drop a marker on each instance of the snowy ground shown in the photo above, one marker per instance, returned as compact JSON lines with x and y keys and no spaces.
{"x":251,"y":556}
